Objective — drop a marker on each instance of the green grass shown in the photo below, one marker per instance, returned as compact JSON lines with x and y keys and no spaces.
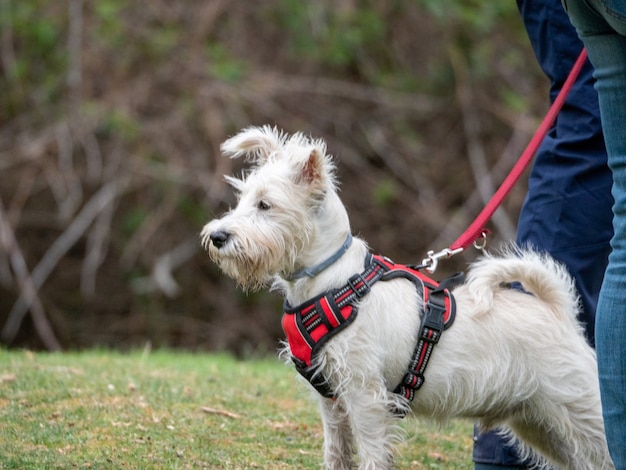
{"x":170,"y":410}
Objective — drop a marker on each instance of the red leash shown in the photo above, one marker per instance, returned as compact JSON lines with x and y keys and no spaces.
{"x":477,"y":229}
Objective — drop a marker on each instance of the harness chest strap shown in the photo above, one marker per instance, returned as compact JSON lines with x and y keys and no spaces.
{"x":309,"y":325}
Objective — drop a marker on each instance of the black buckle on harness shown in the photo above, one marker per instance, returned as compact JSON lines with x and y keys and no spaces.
{"x":361,"y":291}
{"x":433,"y":322}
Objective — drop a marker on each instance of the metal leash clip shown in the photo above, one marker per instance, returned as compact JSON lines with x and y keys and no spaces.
{"x":432,"y":261}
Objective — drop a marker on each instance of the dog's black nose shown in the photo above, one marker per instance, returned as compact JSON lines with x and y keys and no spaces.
{"x":219,"y":238}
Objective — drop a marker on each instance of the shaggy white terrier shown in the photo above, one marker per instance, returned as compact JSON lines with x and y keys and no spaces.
{"x":512,"y":359}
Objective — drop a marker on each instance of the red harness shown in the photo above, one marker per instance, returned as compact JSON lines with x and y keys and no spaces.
{"x":311,"y":324}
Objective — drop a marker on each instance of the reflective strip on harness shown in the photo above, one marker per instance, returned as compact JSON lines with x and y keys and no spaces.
{"x":309,"y":325}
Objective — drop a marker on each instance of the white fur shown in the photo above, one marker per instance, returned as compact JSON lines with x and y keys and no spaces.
{"x":511,"y":359}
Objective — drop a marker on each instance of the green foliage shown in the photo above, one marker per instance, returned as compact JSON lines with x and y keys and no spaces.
{"x":331,"y":36}
{"x":162,"y":41}
{"x":109,"y":27}
{"x":36,"y":75}
{"x":117,"y":122}
{"x":222,"y":65}
{"x":514,"y":101}
{"x":485,"y":36}
{"x":169,"y":410}
{"x":133,"y":219}
{"x":192,"y":210}
{"x":479,"y":16}
{"x":385,"y":192}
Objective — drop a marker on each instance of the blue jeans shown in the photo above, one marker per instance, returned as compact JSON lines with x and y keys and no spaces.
{"x":567,"y":211}
{"x":601,"y":24}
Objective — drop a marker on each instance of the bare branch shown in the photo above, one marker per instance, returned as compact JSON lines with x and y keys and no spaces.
{"x":152,"y":223}
{"x":74,"y":46}
{"x":65,"y":184}
{"x":27,"y":287}
{"x":162,"y":274}
{"x":279,"y":84}
{"x":96,"y":250}
{"x":68,"y":238}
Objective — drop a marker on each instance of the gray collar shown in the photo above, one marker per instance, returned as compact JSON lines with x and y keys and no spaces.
{"x":312,"y":271}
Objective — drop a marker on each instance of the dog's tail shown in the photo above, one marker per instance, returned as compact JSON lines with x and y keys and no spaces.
{"x":539,"y":275}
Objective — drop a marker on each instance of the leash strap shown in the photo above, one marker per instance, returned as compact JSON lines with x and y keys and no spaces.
{"x":476,"y":229}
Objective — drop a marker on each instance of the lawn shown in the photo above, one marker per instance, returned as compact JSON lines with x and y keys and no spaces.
{"x":173,"y":410}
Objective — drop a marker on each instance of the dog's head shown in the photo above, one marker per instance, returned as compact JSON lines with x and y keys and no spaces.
{"x":279,"y":200}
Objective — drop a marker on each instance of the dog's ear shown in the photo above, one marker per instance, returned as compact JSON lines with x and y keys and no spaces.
{"x":255,"y":143}
{"x":317,"y":170}
{"x":312,"y":170}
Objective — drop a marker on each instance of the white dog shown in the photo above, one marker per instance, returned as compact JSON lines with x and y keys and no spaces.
{"x":512,"y":359}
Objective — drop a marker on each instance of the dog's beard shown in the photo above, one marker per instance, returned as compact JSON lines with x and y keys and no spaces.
{"x":253,"y":263}
{"x":248,"y":273}
{"x":246,"y":280}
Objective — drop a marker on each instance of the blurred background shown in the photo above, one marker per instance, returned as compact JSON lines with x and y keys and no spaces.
{"x":111,"y":117}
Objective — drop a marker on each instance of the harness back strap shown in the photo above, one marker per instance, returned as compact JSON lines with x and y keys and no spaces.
{"x":311,"y":324}
{"x":438,"y":315}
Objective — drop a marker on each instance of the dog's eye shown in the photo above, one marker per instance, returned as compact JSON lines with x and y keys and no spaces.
{"x":263,"y":206}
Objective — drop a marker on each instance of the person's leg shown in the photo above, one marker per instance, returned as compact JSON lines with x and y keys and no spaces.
{"x":480,"y":466}
{"x":604,"y":33}
{"x":567,"y":211}
{"x":492,"y":452}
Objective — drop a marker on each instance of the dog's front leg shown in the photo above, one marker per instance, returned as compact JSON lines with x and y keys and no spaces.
{"x":373,"y":426}
{"x":338,"y":442}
